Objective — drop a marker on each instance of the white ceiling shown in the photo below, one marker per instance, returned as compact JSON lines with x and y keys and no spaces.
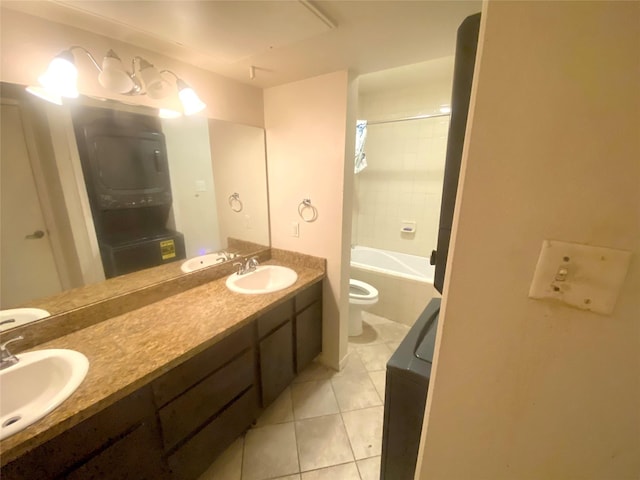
{"x":285,"y":40}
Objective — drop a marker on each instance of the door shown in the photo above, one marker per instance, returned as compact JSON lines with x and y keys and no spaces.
{"x":27,"y":267}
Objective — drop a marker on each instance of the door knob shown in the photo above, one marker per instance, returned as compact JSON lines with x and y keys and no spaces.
{"x":35,"y":235}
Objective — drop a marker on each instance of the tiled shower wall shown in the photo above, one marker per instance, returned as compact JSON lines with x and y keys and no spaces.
{"x":403,"y":180}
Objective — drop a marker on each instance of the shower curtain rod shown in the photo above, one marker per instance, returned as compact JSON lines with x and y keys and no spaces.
{"x":406,"y":119}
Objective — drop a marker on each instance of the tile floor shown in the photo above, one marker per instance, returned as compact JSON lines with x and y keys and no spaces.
{"x":327,"y":424}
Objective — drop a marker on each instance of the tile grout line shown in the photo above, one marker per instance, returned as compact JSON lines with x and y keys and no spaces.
{"x":353,"y":454}
{"x":324,"y":377}
{"x":244,"y":437}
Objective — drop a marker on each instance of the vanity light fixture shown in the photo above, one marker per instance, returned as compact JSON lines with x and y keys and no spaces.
{"x":61,"y":78}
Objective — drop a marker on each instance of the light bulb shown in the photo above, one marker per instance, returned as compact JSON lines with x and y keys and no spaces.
{"x":61,"y":77}
{"x":191,"y":103}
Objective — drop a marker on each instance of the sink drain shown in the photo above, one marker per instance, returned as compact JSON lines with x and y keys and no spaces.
{"x":11,"y":421}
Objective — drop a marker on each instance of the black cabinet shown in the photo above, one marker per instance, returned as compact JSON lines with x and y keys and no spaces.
{"x":177,"y":425}
{"x":289,"y":338}
{"x":275,"y":347}
{"x":206,"y":402}
{"x":308,"y":326}
{"x":106,"y":446}
{"x":276,"y":362}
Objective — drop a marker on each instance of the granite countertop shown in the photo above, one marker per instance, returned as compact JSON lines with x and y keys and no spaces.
{"x":128,"y":351}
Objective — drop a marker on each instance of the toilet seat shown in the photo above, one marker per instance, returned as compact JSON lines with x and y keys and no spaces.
{"x":361,"y":293}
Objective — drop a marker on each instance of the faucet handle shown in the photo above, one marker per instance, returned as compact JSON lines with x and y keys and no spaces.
{"x":240,"y":269}
{"x":7,"y":359}
{"x":252,"y":263}
{"x":3,"y":346}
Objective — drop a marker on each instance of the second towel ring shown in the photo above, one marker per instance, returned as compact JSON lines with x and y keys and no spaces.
{"x":235,"y":203}
{"x":305,"y":206}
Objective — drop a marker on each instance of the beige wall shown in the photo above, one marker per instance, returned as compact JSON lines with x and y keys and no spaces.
{"x":306,"y":127}
{"x":193,"y":191}
{"x":29,"y":43}
{"x":526,"y":389}
{"x":239,"y":166}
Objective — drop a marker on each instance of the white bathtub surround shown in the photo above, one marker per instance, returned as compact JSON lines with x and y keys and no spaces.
{"x":404,"y":282}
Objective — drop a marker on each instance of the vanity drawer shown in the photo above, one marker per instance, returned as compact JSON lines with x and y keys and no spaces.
{"x":308,"y":296}
{"x":184,"y":376}
{"x":274,"y":318}
{"x":195,"y":407}
{"x":193,"y":458}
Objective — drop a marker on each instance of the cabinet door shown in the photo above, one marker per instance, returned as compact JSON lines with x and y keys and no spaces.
{"x":276,"y":362}
{"x":308,"y":335}
{"x":88,"y":440}
{"x":134,"y":456}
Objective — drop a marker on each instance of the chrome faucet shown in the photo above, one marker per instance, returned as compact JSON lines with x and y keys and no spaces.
{"x":249,"y":266}
{"x":228,"y":255}
{"x":8,"y":359}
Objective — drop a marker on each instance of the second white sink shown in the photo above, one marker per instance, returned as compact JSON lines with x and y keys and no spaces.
{"x":20,"y":316}
{"x":36,"y":385}
{"x":264,"y":279}
{"x":202,"y":261}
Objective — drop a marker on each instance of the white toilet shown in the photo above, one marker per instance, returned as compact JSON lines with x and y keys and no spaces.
{"x":361,"y":296}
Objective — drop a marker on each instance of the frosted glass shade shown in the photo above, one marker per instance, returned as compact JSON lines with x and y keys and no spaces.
{"x":114,"y":77}
{"x":61,"y":77}
{"x":155,"y":86}
{"x":191,"y":103}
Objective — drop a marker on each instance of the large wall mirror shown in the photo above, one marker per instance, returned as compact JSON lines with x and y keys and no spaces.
{"x":49,"y":242}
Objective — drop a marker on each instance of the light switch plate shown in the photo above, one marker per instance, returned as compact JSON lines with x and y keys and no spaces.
{"x":582,"y":276}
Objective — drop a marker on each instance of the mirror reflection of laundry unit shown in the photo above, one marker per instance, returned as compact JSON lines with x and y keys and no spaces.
{"x":126,"y":171}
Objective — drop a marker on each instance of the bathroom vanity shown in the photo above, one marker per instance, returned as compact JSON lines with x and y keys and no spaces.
{"x":172,"y":384}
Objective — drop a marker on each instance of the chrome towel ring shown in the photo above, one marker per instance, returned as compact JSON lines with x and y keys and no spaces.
{"x":235,"y":203}
{"x":307,"y":211}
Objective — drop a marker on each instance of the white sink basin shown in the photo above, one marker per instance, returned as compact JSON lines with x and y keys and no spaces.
{"x":265,"y":279}
{"x":20,"y":316}
{"x":202,"y":261}
{"x":36,"y":385}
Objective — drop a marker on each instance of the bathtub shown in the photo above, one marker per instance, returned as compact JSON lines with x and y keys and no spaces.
{"x":404,"y":281}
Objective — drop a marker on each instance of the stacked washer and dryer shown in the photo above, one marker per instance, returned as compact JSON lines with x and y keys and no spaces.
{"x":126,"y":172}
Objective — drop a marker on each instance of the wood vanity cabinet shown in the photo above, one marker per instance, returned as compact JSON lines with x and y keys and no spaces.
{"x":207,"y":402}
{"x":176,"y":426}
{"x":307,"y":326}
{"x":122,"y":441}
{"x":275,"y":347}
{"x":289,"y":338}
